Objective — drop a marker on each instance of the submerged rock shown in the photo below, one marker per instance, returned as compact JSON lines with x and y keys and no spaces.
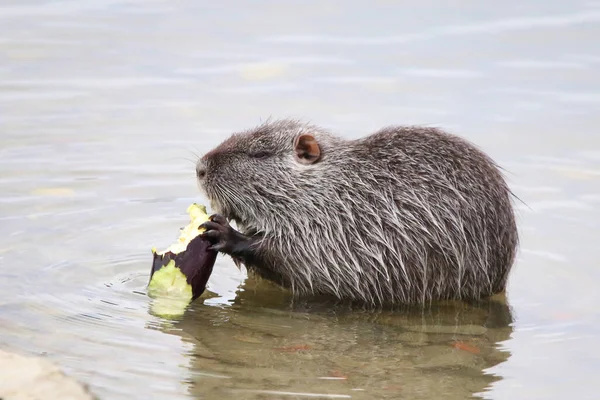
{"x":32,"y":378}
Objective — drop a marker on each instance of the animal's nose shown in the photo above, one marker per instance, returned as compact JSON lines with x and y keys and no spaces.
{"x":200,"y":170}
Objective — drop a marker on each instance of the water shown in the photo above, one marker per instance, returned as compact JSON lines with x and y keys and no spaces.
{"x":104,"y":106}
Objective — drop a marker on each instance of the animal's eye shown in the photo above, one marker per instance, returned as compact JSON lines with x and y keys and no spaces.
{"x":260,"y":154}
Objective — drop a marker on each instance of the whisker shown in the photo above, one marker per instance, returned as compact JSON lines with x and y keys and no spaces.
{"x":189,"y":160}
{"x":195,"y":152}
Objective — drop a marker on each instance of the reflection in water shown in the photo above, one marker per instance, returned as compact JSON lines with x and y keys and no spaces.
{"x":266,"y":342}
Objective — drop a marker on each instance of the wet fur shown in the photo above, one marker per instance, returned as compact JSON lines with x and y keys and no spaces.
{"x":405,"y":215}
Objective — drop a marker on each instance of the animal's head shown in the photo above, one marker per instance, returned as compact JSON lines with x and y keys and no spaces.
{"x":259,"y":170}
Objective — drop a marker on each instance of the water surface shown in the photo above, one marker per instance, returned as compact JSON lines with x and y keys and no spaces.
{"x":104,"y":106}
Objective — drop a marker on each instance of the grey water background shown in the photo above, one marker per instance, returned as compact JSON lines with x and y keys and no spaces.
{"x":104,"y":106}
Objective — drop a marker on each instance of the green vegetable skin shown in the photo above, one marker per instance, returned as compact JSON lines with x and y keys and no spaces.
{"x":180,"y":273}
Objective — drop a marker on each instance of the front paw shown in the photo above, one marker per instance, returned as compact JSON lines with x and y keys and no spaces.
{"x":222,"y":236}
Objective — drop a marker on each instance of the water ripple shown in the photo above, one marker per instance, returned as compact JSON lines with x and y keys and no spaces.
{"x":489,"y":27}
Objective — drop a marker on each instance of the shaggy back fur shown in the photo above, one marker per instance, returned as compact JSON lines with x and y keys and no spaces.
{"x":405,"y":215}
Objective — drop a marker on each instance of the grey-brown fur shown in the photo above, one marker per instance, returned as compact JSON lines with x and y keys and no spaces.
{"x":405,"y":215}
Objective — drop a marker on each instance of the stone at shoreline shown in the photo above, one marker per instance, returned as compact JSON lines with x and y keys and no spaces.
{"x":31,"y":378}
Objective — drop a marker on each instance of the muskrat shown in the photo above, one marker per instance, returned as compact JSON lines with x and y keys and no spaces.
{"x":408,"y":214}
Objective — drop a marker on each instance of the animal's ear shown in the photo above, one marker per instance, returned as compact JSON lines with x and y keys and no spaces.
{"x":307,"y":149}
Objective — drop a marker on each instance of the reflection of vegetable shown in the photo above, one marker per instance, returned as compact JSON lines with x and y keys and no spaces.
{"x":180,"y":273}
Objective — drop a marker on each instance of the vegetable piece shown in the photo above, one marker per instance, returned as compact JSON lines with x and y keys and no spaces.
{"x":179,"y":274}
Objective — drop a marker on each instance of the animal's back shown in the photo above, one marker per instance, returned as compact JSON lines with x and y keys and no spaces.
{"x":434,"y":214}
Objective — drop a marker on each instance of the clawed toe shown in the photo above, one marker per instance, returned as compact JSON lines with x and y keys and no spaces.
{"x":216,"y":247}
{"x":211,"y":235}
{"x":219,"y":219}
{"x":210,"y":226}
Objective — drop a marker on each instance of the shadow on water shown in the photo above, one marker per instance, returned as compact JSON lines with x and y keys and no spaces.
{"x":269,"y":345}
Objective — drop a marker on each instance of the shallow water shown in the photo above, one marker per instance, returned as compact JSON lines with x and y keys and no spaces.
{"x":104,"y":106}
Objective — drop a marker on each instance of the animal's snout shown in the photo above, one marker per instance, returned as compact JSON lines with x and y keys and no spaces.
{"x":201,"y":169}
